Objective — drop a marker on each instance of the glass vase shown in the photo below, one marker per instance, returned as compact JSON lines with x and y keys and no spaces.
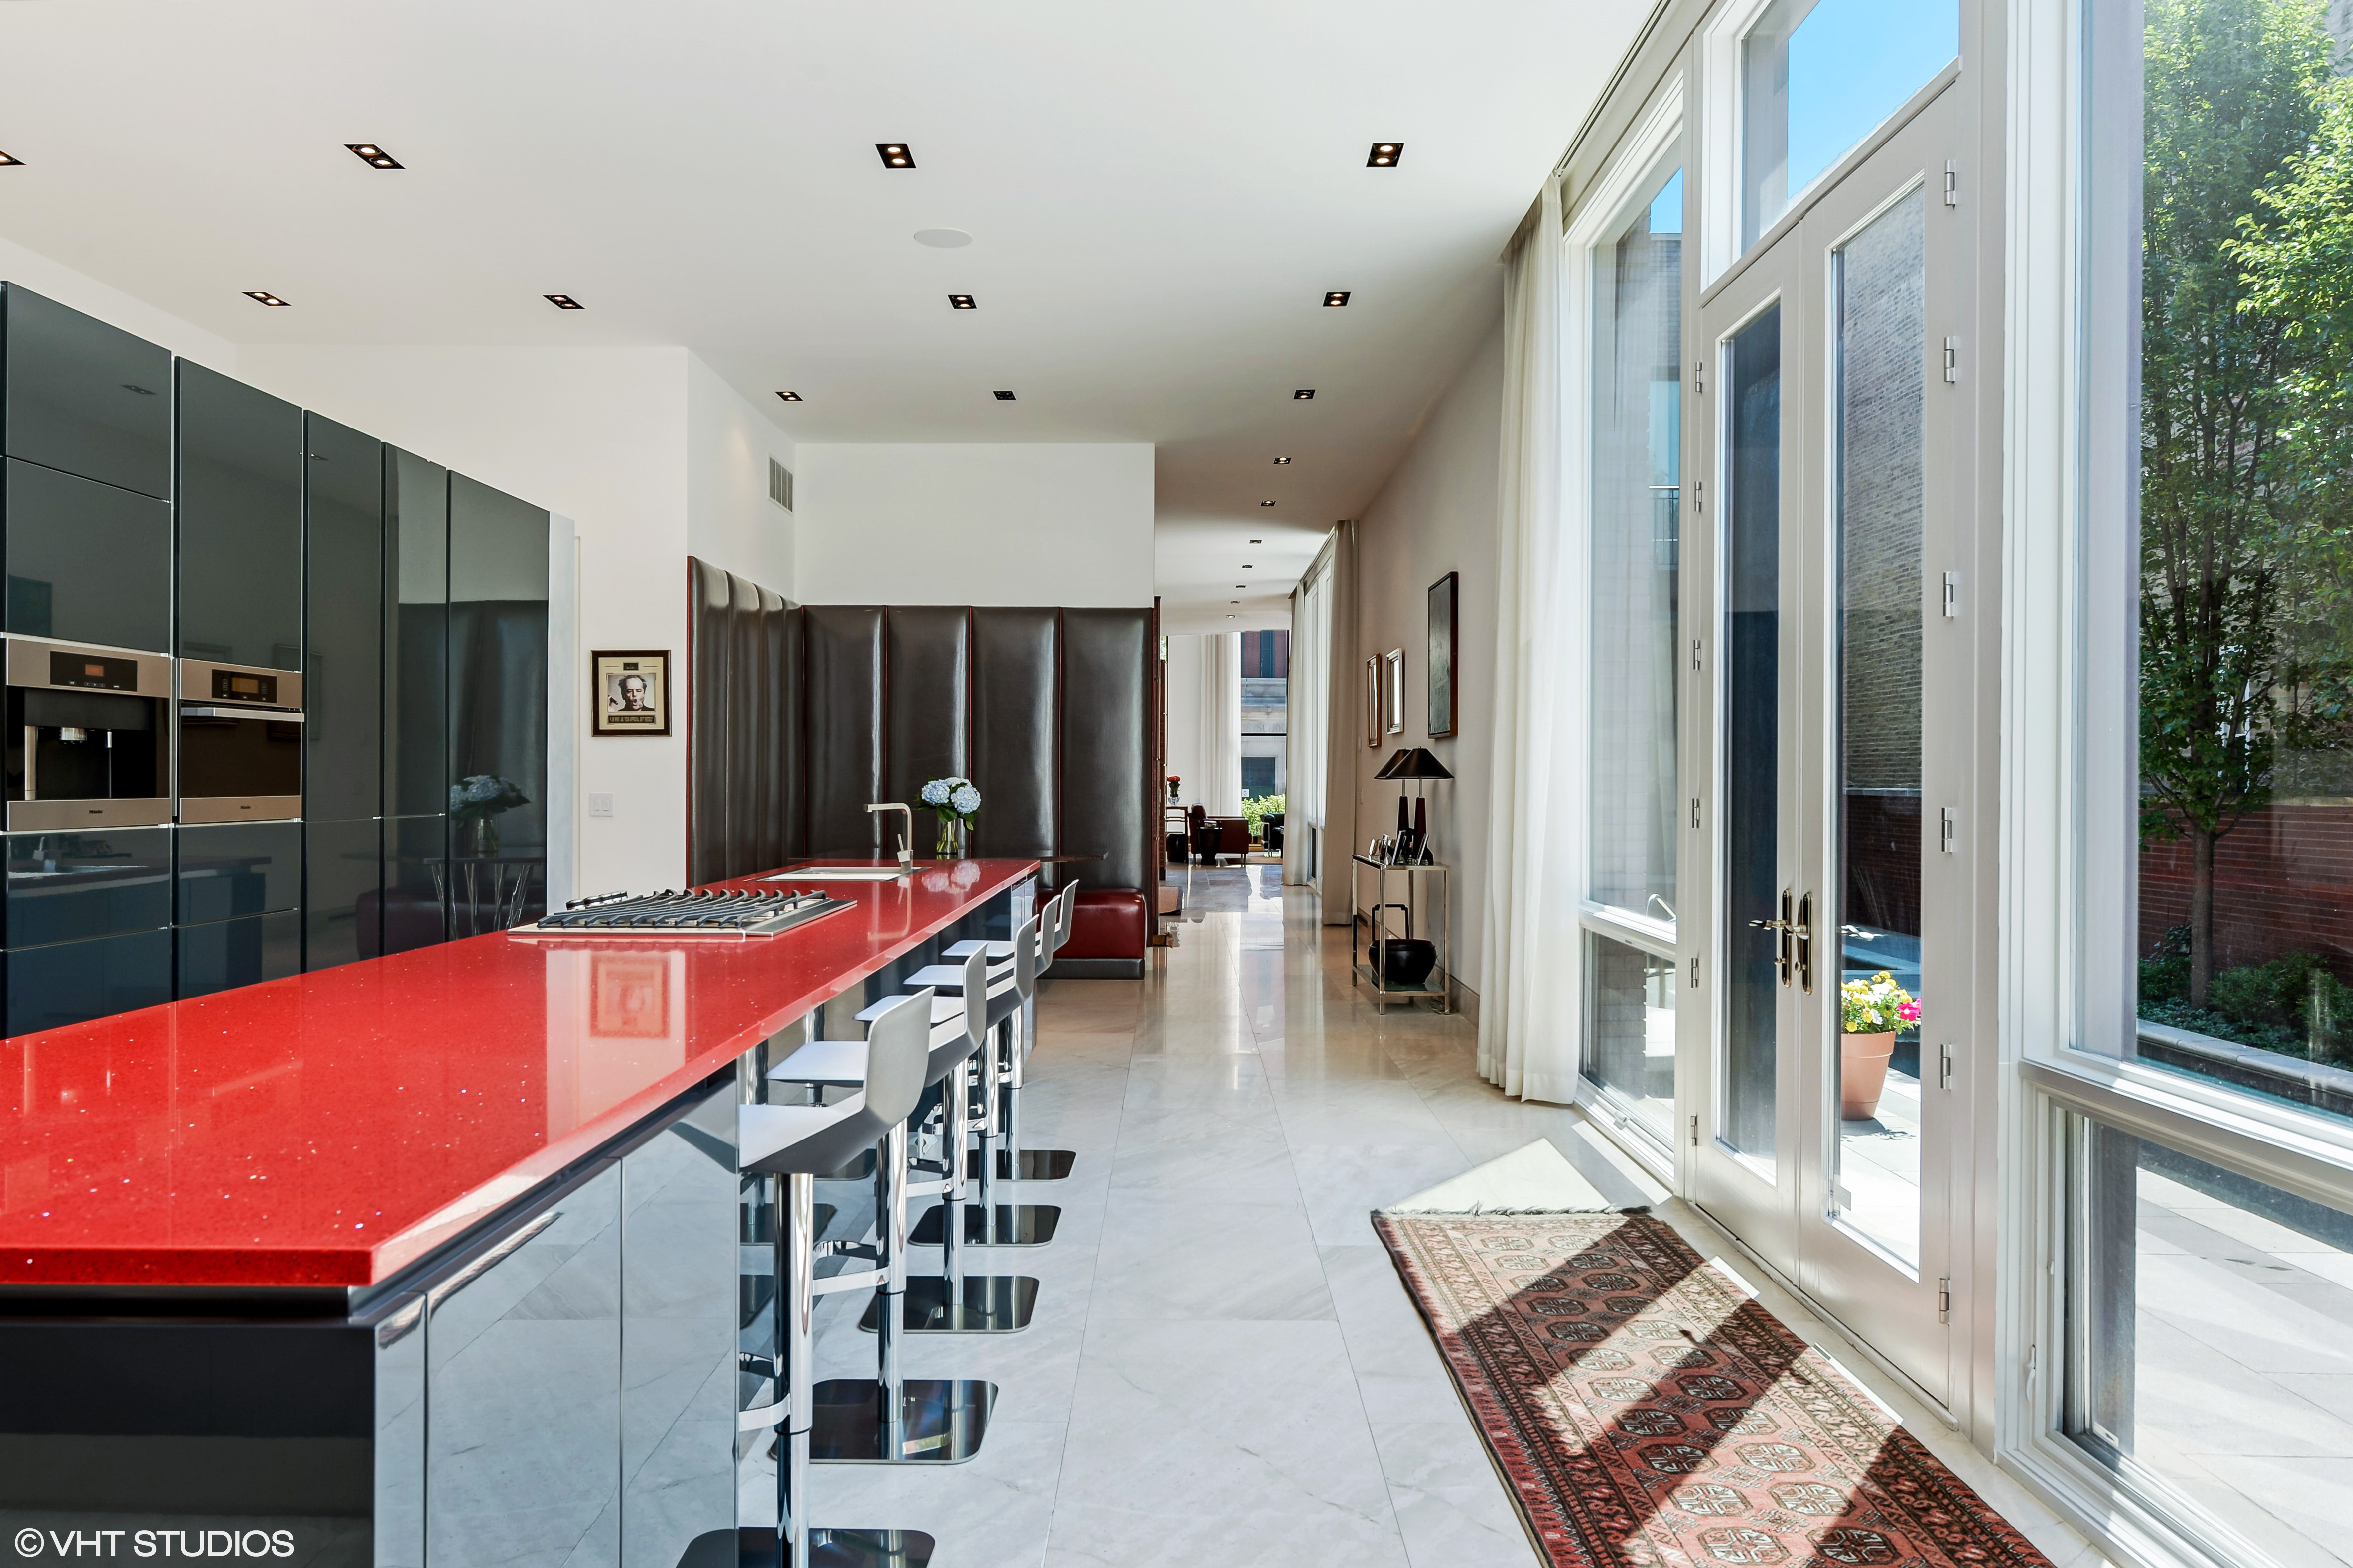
{"x":949,"y":844}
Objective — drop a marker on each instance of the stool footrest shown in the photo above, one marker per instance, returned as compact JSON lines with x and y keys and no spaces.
{"x":1003,"y":1224}
{"x":863,"y":1279}
{"x":976,"y":1304}
{"x":942,"y":1421}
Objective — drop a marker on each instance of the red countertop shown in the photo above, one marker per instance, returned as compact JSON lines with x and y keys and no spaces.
{"x":329,"y":1129}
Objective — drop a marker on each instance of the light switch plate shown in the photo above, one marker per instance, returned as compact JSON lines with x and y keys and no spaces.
{"x":600,"y":805}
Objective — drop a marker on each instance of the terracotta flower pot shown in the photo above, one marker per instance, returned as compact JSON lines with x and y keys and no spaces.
{"x":1862,"y":1073}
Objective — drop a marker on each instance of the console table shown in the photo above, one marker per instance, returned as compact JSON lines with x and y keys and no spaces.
{"x":1441,"y":983}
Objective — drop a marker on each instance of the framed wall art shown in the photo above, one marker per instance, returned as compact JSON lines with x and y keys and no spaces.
{"x":1373,"y":702}
{"x":1393,"y":692}
{"x":1444,"y":642}
{"x":631,"y":692}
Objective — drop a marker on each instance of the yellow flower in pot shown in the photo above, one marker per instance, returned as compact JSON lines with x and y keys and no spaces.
{"x":1872,"y":1012}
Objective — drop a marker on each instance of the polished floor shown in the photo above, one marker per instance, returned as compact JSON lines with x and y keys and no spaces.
{"x":1223,"y":1368}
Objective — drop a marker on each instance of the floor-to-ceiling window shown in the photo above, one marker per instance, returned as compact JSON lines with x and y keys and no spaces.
{"x":1635,"y":275}
{"x":2201,"y":1138}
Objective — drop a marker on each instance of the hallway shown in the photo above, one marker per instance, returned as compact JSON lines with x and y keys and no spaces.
{"x":1223,"y":1367}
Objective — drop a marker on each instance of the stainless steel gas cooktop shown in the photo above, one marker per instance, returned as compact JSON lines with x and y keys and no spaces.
{"x":697,"y":913}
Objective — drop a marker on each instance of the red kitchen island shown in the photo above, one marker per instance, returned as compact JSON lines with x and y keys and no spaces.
{"x":441,"y":1258}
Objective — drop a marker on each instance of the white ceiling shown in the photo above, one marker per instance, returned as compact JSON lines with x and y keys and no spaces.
{"x":1159,"y":195}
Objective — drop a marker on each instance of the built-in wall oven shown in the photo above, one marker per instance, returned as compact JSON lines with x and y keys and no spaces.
{"x":88,"y":737}
{"x":240,"y":743}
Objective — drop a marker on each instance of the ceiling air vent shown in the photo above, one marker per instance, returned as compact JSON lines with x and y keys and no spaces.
{"x":780,"y":484}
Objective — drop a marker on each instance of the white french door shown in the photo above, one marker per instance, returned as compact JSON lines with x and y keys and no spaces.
{"x":1836,"y":730}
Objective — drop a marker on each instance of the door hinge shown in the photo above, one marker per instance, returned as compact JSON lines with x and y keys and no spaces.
{"x":1694,"y":1120}
{"x":1695,"y":651}
{"x":1945,"y":1065}
{"x":1952,"y":595}
{"x":1952,"y":359}
{"x":2032,"y":1355}
{"x":1699,"y":376}
{"x":1945,"y":1299}
{"x":1949,"y":829}
{"x":1952,"y":182}
{"x":1699,"y":495}
{"x":1695,"y":813}
{"x":1694,"y":979}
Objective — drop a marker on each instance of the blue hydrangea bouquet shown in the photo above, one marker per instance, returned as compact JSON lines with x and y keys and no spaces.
{"x":955,"y":802}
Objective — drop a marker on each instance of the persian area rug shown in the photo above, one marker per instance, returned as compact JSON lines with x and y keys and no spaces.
{"x":1646,"y":1413}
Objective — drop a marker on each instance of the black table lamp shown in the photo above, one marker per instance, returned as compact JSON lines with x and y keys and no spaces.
{"x":1417,"y":763}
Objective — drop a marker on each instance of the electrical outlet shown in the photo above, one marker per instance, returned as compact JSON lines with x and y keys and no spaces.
{"x":600,"y":805}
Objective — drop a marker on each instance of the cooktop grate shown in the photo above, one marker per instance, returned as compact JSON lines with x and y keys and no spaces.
{"x":702,"y":913}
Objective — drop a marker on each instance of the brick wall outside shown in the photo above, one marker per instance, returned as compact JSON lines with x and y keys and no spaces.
{"x":2283,"y":883}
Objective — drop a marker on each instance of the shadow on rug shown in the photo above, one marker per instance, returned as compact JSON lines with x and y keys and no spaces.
{"x":1645,"y":1414}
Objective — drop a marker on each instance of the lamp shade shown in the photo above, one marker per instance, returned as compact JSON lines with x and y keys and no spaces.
{"x":1417,"y":763}
{"x":1396,"y":760}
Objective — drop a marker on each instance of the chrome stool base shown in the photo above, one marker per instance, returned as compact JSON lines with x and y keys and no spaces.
{"x":941,"y":1421}
{"x":992,"y":1225}
{"x":1036,"y":1165}
{"x":988,"y":1304}
{"x":755,"y":1546}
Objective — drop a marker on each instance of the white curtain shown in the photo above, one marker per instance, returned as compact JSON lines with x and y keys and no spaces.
{"x":1310,"y":657}
{"x":1528,"y":983}
{"x":1221,"y":724}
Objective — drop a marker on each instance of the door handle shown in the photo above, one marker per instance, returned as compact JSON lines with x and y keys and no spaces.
{"x":1804,"y":932}
{"x":1780,"y":929}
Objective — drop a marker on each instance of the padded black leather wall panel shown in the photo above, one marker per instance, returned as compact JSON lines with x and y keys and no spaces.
{"x":1106,"y":709}
{"x":1015,"y":684}
{"x":708,"y":594}
{"x":928,"y":703}
{"x":802,"y":715}
{"x":843,"y":729}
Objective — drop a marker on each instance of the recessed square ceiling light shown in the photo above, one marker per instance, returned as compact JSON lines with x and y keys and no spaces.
{"x":1266,"y":504}
{"x":1303,"y":394}
{"x":1283,"y":463}
{"x":1385,"y":154}
{"x":374,"y":156}
{"x":895,"y":154}
{"x":1004,"y":394}
{"x":263,"y":296}
{"x":1247,"y":566}
{"x":565,"y":303}
{"x":1258,"y":541}
{"x":8,"y":163}
{"x":963,"y":302}
{"x":1335,"y":298}
{"x":790,"y":396}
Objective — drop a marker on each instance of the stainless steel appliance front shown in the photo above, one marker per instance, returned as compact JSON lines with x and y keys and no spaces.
{"x":87,"y":741}
{"x":240,"y":743}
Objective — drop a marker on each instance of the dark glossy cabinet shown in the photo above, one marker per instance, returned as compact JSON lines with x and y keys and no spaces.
{"x":497,"y":704}
{"x":87,"y":562}
{"x":238,"y":901}
{"x":343,"y":892}
{"x":416,"y":636}
{"x":240,"y":506}
{"x":238,"y":952}
{"x":86,"y":398}
{"x":342,"y":677}
{"x":70,"y":887}
{"x":74,"y":983}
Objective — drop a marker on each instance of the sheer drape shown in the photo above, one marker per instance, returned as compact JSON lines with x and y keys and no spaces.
{"x":1311,"y":679}
{"x":1221,"y":724}
{"x":1527,"y":982}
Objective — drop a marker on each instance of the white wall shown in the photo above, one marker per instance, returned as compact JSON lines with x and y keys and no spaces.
{"x":1183,"y":672}
{"x":729,"y":521}
{"x":1436,"y":514}
{"x":958,"y":524}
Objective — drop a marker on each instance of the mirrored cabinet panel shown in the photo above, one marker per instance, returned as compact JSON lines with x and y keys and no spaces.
{"x":87,"y":562}
{"x":240,"y":505}
{"x":86,"y":399}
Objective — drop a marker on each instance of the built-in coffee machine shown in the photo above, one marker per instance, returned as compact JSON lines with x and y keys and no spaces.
{"x":88,"y":737}
{"x":240,"y":743}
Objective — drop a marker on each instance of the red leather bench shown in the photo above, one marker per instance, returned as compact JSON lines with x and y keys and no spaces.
{"x":1110,"y":928}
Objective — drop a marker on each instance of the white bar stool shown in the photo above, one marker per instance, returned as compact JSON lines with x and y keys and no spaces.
{"x":1010,"y":986}
{"x":1014,"y":1163}
{"x":952,"y":1302}
{"x":888,"y":1419}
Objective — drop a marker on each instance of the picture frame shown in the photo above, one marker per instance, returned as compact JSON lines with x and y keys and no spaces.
{"x":1373,"y":704}
{"x":1393,"y":692}
{"x":1445,"y":643}
{"x":629,"y":692}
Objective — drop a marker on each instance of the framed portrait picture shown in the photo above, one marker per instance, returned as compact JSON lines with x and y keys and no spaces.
{"x":1443,"y":647}
{"x":1373,"y":702}
{"x":631,"y":692}
{"x":1393,"y":692}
